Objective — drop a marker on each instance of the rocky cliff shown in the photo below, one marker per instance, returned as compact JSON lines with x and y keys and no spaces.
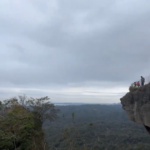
{"x":136,"y":103}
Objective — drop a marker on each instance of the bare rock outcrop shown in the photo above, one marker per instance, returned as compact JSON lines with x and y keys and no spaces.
{"x":137,"y":105}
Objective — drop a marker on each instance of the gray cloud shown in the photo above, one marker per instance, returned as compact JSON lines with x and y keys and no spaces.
{"x":60,"y":44}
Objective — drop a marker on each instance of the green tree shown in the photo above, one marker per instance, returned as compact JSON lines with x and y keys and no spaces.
{"x":21,"y":122}
{"x":43,"y":108}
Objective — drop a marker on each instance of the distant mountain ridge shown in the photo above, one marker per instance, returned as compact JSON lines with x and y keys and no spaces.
{"x":72,"y":103}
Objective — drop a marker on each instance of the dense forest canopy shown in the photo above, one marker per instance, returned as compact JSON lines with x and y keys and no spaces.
{"x":95,"y":127}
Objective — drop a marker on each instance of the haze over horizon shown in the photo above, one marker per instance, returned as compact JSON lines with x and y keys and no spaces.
{"x":73,"y":51}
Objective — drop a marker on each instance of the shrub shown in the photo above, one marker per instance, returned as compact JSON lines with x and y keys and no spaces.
{"x":132,"y":89}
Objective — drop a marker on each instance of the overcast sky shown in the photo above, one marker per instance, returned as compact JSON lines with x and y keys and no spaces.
{"x":73,"y":50}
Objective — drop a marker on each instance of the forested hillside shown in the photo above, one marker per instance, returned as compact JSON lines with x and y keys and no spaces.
{"x":36,"y":124}
{"x":95,"y":127}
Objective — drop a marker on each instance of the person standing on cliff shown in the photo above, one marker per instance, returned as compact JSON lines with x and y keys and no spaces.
{"x":138,"y":83}
{"x":142,"y":81}
{"x":134,"y":84}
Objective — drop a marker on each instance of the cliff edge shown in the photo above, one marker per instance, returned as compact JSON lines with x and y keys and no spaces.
{"x":136,"y":103}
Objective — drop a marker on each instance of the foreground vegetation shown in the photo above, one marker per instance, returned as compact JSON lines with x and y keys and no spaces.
{"x":21,"y":121}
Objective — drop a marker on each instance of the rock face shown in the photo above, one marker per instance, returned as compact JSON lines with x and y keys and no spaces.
{"x":137,"y":106}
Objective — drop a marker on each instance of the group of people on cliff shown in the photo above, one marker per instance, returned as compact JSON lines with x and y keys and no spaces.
{"x":138,"y":83}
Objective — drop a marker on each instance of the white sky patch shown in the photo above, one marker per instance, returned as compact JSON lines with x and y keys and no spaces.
{"x":72,"y":93}
{"x":14,"y":10}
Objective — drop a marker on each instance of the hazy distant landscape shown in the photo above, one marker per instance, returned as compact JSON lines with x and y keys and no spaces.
{"x":78,"y":104}
{"x":74,"y":104}
{"x":66,"y":104}
{"x":95,"y":127}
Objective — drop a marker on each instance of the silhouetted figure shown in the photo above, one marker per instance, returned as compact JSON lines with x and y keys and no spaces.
{"x":142,"y":81}
{"x":134,"y":84}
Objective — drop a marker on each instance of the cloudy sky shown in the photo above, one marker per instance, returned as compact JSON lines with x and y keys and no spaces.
{"x":73,"y":50}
